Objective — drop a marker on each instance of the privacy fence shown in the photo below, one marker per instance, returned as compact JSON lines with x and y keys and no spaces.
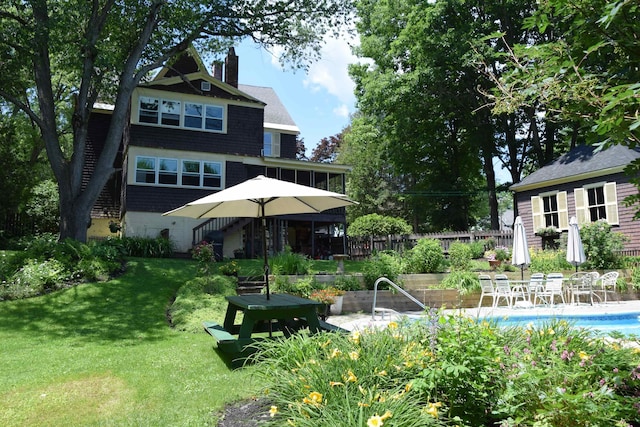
{"x":362,"y":247}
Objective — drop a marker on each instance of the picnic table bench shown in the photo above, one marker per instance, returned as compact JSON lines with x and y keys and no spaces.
{"x":280,"y":313}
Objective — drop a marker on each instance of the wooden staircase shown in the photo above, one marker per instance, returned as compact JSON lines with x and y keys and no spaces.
{"x":226,"y":225}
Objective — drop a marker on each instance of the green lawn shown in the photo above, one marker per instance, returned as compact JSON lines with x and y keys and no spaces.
{"x":104,"y":354}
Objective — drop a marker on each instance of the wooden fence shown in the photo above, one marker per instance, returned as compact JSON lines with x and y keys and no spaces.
{"x":361,"y":248}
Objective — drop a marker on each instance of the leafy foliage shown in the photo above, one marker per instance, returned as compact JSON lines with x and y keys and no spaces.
{"x":452,"y":370}
{"x":426,"y":257}
{"x":460,"y":255}
{"x":601,"y":245}
{"x":289,"y":262}
{"x":464,"y":281}
{"x":377,"y":225}
{"x":383,"y":264}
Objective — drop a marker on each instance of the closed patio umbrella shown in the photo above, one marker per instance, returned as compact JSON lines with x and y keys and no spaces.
{"x":520,"y":253}
{"x":261,"y":197}
{"x":575,"y":249}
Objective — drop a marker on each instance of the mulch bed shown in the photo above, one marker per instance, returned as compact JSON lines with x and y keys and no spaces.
{"x":246,"y":413}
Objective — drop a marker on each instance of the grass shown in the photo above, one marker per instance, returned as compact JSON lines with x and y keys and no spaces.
{"x":104,"y":354}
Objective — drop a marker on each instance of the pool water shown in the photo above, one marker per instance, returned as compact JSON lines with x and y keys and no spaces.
{"x":624,"y":323}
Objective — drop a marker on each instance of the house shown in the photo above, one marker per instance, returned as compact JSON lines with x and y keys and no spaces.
{"x":190,"y":134}
{"x":584,"y":183}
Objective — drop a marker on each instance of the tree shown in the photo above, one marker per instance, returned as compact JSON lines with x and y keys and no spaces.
{"x":327,"y":149}
{"x":301,"y":150}
{"x":68,"y":55}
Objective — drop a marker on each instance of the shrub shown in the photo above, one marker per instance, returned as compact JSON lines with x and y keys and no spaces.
{"x":548,"y":261}
{"x":384,"y":264}
{"x":302,"y":287}
{"x":459,"y":256}
{"x":378,"y":225}
{"x":37,"y":277}
{"x":465,"y":282}
{"x":147,"y":247}
{"x":347,"y":283}
{"x":601,"y":246}
{"x":426,"y":257}
{"x":289,"y":263}
{"x":477,"y":248}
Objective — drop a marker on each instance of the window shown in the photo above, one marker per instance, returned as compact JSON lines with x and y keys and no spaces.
{"x":271,"y":145}
{"x":170,"y":112}
{"x":266,"y":146}
{"x":597,"y":202}
{"x":213,"y":120}
{"x":168,"y":171}
{"x":148,"y":112}
{"x":192,"y":173}
{"x":550,"y":206}
{"x":550,"y":210}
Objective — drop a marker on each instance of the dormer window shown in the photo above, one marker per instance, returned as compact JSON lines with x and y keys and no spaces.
{"x":271,"y":145}
{"x":176,"y":113}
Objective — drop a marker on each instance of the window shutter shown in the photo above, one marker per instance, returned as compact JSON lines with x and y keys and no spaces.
{"x":611,"y":203}
{"x":275,"y":147}
{"x":563,"y":211}
{"x":581,"y":206}
{"x":537,"y":213}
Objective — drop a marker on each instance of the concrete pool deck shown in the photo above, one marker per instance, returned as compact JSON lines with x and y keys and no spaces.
{"x":360,"y":321}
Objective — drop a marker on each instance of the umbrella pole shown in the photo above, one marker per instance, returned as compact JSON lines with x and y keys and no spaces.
{"x":264,"y":251}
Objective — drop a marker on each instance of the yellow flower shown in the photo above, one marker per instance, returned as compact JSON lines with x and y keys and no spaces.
{"x":386,"y":415}
{"x":551,"y":331}
{"x":335,"y":353}
{"x":335,"y":383}
{"x":290,"y":422}
{"x":583,"y":355}
{"x":432,"y":409}
{"x":355,"y":337}
{"x":408,"y":387}
{"x":326,"y":343}
{"x":382,"y":373}
{"x":363,"y":405}
{"x":354,"y":355}
{"x":314,"y":398}
{"x":273,"y":411}
{"x":393,"y":325}
{"x":351,"y":378}
{"x":375,"y":421}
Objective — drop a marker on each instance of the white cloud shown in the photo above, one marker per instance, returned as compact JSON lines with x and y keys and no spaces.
{"x":330,"y":73}
{"x":341,"y":111}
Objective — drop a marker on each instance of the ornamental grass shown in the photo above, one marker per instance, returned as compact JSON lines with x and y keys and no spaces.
{"x":452,"y":370}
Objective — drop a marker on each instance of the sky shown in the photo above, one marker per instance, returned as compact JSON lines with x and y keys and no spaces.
{"x":319,"y":100}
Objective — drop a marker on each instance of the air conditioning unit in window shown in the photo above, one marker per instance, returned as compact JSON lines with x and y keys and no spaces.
{"x":205,"y":86}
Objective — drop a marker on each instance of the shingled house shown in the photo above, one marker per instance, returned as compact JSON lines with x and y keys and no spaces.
{"x":190,"y":134}
{"x":584,"y":183}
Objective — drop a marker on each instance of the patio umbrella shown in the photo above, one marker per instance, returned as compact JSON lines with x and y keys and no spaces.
{"x":575,"y":250}
{"x":520,"y":253}
{"x":261,"y":197}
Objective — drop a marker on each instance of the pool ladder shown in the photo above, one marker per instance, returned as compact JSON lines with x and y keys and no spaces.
{"x":382,"y":310}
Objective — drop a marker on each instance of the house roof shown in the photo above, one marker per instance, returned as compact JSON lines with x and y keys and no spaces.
{"x":582,"y":162}
{"x":275,"y":113}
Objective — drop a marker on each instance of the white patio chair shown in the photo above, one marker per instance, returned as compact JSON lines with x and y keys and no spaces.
{"x":607,"y":284}
{"x":583,"y":284}
{"x":536,"y":284}
{"x":488,"y":289}
{"x":552,"y":289}
{"x":503,"y":289}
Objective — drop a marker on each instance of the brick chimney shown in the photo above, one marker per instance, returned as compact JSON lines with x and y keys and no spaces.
{"x":231,"y":68}
{"x":217,"y":69}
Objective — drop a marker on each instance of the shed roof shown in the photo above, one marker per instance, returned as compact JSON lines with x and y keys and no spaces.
{"x":579,"y":163}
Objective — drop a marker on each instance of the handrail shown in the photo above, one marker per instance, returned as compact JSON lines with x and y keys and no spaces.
{"x":398,"y":288}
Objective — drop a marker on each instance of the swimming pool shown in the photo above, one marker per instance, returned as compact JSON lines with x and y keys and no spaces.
{"x":625,"y":323}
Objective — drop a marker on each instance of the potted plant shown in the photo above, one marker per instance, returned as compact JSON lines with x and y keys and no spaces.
{"x":331,"y":298}
{"x":238,"y":253}
{"x":550,"y":236}
{"x":114,"y":227}
{"x":229,"y":269}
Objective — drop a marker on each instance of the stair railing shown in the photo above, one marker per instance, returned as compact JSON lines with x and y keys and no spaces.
{"x":396,"y":287}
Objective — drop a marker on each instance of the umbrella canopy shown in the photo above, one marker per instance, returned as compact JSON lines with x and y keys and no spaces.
{"x":520,"y":253}
{"x":575,"y":250}
{"x":261,"y":197}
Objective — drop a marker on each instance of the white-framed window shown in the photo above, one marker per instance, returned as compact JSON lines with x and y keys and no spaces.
{"x":175,"y":113}
{"x":271,"y":145}
{"x":597,"y":202}
{"x":550,"y":210}
{"x":178,"y":172}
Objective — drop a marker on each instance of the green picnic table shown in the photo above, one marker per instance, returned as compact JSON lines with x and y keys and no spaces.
{"x":281,"y":312}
